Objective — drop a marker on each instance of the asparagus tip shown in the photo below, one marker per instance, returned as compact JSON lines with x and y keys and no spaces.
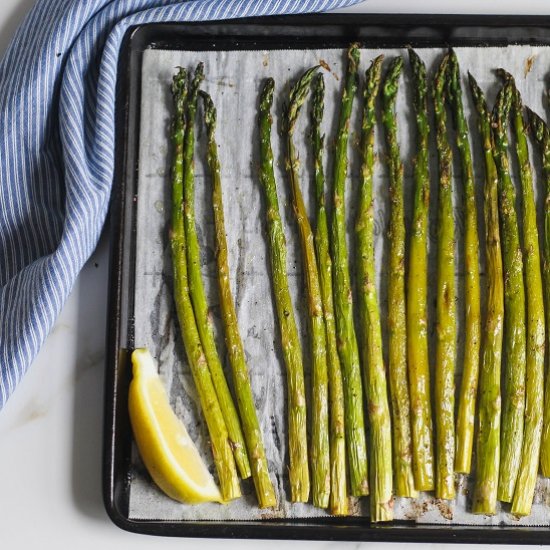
{"x":378,"y":59}
{"x":209,"y":109}
{"x":198,"y":77}
{"x":179,"y":82}
{"x":298,"y":94}
{"x":415,"y":59}
{"x":353,"y":56}
{"x":440,"y":77}
{"x":504,"y":74}
{"x":318,"y":98}
{"x":266,"y":96}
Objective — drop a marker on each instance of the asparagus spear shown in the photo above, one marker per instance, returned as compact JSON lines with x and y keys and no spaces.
{"x":514,"y":307}
{"x":472,"y":324}
{"x":338,"y":476}
{"x":196,"y":289}
{"x":373,"y":362}
{"x":542,"y":136}
{"x":489,"y":413}
{"x":417,"y":291}
{"x":535,"y":335}
{"x":245,"y":399}
{"x":221,"y":449}
{"x":488,"y":439}
{"x":343,"y":307}
{"x":399,"y":389}
{"x":292,"y":351}
{"x":445,"y":347}
{"x":320,"y":461}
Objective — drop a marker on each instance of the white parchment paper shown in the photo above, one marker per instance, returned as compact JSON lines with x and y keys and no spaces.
{"x":234,"y":79}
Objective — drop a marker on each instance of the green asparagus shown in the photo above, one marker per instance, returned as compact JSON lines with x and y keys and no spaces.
{"x":445,"y":347}
{"x":417,"y":291}
{"x":397,"y":325}
{"x":196,"y":288}
{"x":373,"y":361}
{"x":488,"y":439}
{"x":245,"y":399}
{"x":338,"y":476}
{"x":320,"y":461}
{"x":513,"y":403}
{"x":343,"y":307}
{"x":292,"y":351}
{"x":221,"y":447}
{"x":541,"y":134}
{"x":472,"y":323}
{"x":535,"y":334}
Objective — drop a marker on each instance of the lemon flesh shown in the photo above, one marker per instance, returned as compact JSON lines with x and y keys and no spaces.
{"x":163,"y":442}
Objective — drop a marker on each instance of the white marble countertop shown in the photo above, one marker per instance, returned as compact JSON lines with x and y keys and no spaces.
{"x":51,"y":428}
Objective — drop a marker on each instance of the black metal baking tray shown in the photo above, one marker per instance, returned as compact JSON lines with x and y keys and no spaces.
{"x":266,"y":33}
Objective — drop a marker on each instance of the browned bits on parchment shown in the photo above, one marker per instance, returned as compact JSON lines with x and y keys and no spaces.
{"x":529,"y":62}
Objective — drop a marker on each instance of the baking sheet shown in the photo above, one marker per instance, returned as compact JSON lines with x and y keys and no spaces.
{"x":234,"y":79}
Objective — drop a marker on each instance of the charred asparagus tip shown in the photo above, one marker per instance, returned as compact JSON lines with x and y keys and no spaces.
{"x":298,"y":94}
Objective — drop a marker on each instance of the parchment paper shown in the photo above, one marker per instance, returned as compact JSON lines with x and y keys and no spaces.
{"x":234,"y":79}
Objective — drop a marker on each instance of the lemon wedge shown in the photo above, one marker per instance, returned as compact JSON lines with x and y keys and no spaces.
{"x":163,"y":442}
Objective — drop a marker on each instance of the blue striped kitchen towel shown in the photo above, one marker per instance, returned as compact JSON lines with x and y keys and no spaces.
{"x":57,"y":89}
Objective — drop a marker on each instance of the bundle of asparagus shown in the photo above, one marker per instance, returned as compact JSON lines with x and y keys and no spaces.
{"x":228,"y":442}
{"x":398,"y":399}
{"x":221,"y":442}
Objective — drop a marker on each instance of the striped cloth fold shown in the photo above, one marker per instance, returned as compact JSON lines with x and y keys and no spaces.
{"x":57,"y":90}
